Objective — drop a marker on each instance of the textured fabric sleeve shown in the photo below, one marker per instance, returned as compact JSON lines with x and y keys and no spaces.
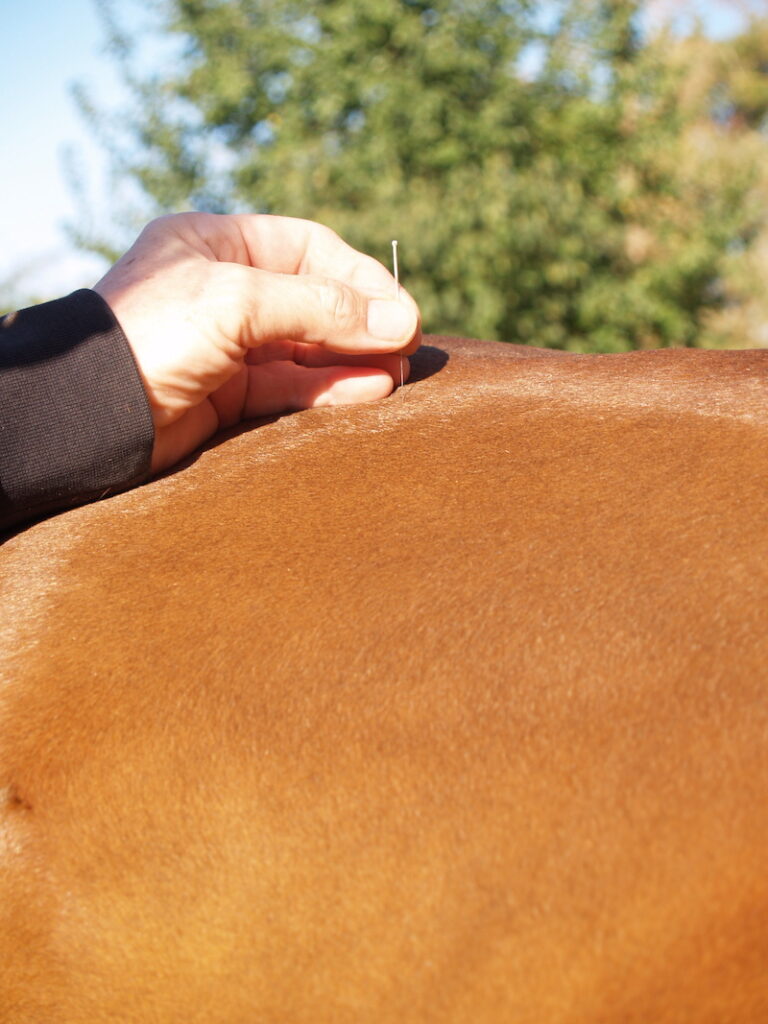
{"x":75,"y":422}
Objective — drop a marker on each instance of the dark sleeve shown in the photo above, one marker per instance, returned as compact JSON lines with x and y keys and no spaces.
{"x":75,"y":422}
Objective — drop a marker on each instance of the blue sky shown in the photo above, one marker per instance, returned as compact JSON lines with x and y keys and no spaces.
{"x":48,"y":45}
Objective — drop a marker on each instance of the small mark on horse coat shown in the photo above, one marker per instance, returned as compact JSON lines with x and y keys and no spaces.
{"x":11,"y":796}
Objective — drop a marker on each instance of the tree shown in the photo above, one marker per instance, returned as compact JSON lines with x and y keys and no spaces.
{"x":531,"y":165}
{"x":725,"y":94}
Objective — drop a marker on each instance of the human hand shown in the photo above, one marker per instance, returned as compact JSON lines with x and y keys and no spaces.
{"x":231,"y":317}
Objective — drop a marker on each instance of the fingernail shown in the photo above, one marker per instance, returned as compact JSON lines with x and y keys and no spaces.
{"x":390,"y":321}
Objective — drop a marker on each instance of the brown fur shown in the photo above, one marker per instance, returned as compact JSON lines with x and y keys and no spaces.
{"x":448,"y":709}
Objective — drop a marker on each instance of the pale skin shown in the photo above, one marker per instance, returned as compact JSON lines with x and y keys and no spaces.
{"x":232,"y":317}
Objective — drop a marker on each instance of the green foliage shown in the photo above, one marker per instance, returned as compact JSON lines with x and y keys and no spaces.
{"x":533,"y":168}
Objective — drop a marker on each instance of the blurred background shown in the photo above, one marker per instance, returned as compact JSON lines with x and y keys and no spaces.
{"x":584,"y":175}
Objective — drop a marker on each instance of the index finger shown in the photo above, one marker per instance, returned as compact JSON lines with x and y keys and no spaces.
{"x":290,"y":245}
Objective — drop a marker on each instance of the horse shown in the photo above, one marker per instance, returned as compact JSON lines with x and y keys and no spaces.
{"x":450,"y":708}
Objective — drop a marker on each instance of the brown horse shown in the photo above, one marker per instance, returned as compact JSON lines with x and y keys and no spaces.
{"x":449,"y":708}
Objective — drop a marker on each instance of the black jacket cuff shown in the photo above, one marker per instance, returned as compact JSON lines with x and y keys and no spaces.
{"x":75,"y":422}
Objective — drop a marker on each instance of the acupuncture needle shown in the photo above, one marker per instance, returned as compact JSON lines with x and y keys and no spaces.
{"x":397,"y":294}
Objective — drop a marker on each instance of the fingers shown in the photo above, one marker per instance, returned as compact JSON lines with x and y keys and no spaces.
{"x":321,"y":311}
{"x":283,"y":245}
{"x":288,"y":245}
{"x":276,"y":386}
{"x":176,"y":440}
{"x":293,"y":247}
{"x":315,"y":355}
{"x":285,"y":377}
{"x":281,"y":387}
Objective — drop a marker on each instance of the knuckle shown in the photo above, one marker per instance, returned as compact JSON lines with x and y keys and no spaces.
{"x":165,"y":220}
{"x":161,"y":227}
{"x":340,"y":304}
{"x":322,"y":236}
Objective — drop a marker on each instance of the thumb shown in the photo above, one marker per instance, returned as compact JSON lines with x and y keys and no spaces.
{"x":322,"y":311}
